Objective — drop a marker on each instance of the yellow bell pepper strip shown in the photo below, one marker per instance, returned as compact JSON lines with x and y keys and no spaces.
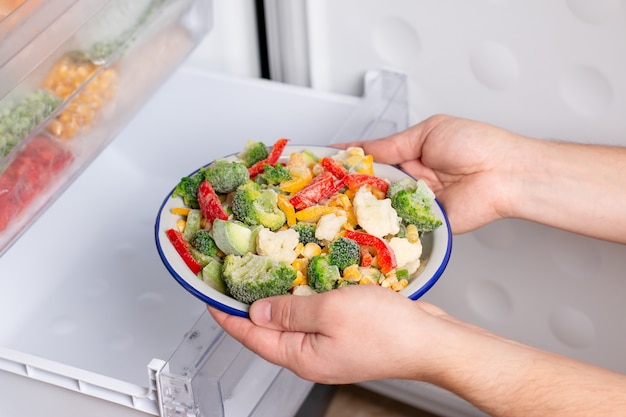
{"x":356,"y":181}
{"x":210,"y":203}
{"x":287,"y":208}
{"x":271,"y":159}
{"x":384,"y":254}
{"x":301,"y":177}
{"x":314,"y":212}
{"x":182,"y":247}
{"x":321,"y":187}
{"x":181,"y":211}
{"x":334,"y":167}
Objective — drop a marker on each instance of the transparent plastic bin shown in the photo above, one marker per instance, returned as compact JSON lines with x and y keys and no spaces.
{"x":73,"y":73}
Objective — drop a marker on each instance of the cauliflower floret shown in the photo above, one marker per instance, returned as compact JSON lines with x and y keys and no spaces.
{"x":376,"y":216}
{"x":407,"y":253}
{"x":329,"y":225}
{"x":279,"y":245}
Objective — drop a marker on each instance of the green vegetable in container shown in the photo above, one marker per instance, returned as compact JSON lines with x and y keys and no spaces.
{"x":323,"y":276}
{"x":344,"y":252}
{"x":306,"y":231}
{"x":18,"y":121}
{"x":253,"y":152}
{"x":204,"y":243}
{"x":412,"y":200}
{"x":251,"y":277}
{"x":187,"y":189}
{"x":255,"y":206}
{"x":273,"y":175}
{"x":226,"y":176}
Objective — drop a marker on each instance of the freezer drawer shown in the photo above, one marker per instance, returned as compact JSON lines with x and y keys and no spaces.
{"x":73,"y":73}
{"x":90,"y":311}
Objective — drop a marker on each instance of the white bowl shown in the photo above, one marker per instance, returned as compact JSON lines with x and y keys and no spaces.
{"x":437,"y":245}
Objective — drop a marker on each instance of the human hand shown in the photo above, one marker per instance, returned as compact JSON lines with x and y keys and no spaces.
{"x":468,"y":165}
{"x":355,"y":333}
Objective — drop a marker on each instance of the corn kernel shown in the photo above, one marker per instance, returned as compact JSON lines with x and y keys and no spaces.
{"x":300,"y":279}
{"x":311,"y":249}
{"x":352,"y":273}
{"x":412,"y":234}
{"x":300,"y":264}
{"x":400,"y":285}
{"x":180,"y":224}
{"x":65,"y":78}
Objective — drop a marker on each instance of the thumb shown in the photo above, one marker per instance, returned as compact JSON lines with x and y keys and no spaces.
{"x":292,"y":313}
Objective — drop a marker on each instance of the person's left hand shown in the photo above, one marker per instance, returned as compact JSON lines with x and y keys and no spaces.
{"x":354,"y":333}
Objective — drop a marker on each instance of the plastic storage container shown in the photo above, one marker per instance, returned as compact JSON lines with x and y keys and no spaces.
{"x":73,"y":73}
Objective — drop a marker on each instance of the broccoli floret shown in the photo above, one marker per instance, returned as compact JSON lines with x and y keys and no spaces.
{"x":273,"y":175}
{"x":322,"y":275}
{"x":204,"y":243}
{"x":405,"y":183}
{"x":255,"y":206}
{"x":253,"y":152}
{"x":251,"y":277}
{"x":306,"y":232}
{"x":226,"y":176}
{"x":187,"y":189}
{"x":414,"y":207}
{"x":344,"y":252}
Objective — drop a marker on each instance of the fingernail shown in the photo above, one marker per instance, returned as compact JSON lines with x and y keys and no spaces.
{"x":261,"y":312}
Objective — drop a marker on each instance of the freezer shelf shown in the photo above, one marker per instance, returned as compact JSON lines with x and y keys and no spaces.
{"x":87,"y":303}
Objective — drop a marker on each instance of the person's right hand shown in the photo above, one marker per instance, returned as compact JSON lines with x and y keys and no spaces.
{"x":351,"y":334}
{"x":468,"y":165}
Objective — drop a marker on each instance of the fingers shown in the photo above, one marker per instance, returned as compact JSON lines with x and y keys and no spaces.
{"x":400,"y":147}
{"x":288,"y":313}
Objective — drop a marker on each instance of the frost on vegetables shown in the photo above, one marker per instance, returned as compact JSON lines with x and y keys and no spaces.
{"x":277,"y":223}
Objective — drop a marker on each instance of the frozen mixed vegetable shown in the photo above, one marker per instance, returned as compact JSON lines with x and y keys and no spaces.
{"x":68,"y":75}
{"x":27,"y":177}
{"x":17,"y":121}
{"x":301,"y":223}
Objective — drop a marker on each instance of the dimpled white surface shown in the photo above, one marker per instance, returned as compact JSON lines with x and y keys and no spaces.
{"x":546,"y":68}
{"x":551,"y":69}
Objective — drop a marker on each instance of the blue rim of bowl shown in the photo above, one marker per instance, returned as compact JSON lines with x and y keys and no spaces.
{"x":244,"y":313}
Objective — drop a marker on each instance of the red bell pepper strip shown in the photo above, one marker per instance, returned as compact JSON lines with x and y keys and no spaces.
{"x":182,"y":247}
{"x":384,"y":254}
{"x":210,"y":203}
{"x":356,"y":181}
{"x":335,"y":167}
{"x":272,"y":158}
{"x":320,"y":188}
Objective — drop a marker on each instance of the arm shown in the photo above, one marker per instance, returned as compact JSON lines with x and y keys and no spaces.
{"x":318,"y":339}
{"x":580,"y":188}
{"x":482,"y":173}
